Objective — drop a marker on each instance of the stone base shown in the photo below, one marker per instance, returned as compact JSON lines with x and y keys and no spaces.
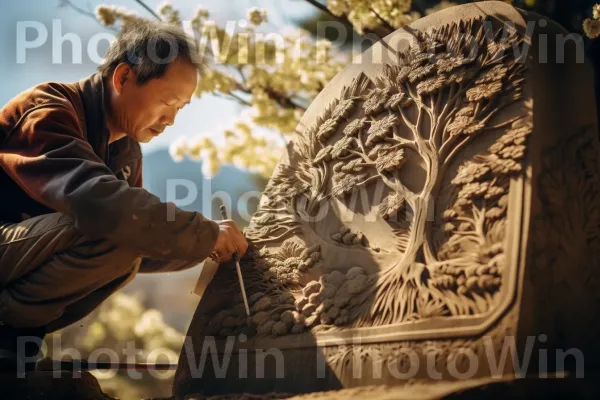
{"x":502,"y":388}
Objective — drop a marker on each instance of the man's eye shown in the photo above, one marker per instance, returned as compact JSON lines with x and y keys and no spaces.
{"x":171,"y":105}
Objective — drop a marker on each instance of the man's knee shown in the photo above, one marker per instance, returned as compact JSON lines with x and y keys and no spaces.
{"x":103,"y":253}
{"x":79,"y":249}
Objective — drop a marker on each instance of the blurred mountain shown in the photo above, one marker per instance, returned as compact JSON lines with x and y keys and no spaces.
{"x":241,"y":187}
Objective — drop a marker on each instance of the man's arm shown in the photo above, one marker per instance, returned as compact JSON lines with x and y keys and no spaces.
{"x":48,"y":157}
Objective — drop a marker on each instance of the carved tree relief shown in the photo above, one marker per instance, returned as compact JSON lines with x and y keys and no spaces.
{"x":430,"y":110}
{"x":436,"y":216}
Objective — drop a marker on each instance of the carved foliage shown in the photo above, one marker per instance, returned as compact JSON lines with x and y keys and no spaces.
{"x":474,"y":252}
{"x":327,"y":302}
{"x":438,"y":101}
{"x":269,"y":276}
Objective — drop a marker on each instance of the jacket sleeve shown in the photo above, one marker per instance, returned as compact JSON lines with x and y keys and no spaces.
{"x":47,"y":156}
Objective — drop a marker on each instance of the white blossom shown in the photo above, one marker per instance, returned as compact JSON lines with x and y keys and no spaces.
{"x":210,"y":166}
{"x":257,"y":16}
{"x":164,"y":8}
{"x":178,"y":149}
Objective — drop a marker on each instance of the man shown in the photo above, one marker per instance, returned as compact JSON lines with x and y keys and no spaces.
{"x":75,"y":223}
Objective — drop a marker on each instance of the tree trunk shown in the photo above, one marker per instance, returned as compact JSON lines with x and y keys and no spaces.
{"x":396,"y":287}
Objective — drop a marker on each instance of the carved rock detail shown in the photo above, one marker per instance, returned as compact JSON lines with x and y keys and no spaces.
{"x":348,"y":237}
{"x":436,"y":109}
{"x":482,"y":218}
{"x":433,"y":105}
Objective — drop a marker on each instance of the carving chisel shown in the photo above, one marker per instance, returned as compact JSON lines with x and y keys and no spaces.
{"x":236,"y":258}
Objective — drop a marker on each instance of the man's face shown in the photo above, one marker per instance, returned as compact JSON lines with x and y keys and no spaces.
{"x":144,"y":111}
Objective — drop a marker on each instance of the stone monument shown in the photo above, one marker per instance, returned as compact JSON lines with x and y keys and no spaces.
{"x":437,"y":214}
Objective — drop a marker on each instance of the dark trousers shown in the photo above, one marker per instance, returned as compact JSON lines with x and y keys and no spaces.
{"x":51,"y":275}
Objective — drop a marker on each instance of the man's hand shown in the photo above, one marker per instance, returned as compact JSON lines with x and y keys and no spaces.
{"x":230,"y":240}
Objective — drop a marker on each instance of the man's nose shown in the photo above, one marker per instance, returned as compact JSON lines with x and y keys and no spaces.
{"x":168,"y":119}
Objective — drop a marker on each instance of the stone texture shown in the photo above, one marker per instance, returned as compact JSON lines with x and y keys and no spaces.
{"x":454,"y":197}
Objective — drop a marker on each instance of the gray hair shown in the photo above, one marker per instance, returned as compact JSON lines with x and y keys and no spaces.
{"x":148,"y":47}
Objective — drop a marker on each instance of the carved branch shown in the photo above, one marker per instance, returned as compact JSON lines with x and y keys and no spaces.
{"x":430,"y":257}
{"x":432,"y":107}
{"x":272,"y":239}
{"x":324,"y":176}
{"x":479,"y":221}
{"x":421,"y":145}
{"x":271,"y":210}
{"x":366,"y":181}
{"x":360,"y":143}
{"x":451,"y":108}
{"x":504,"y":124}
{"x":449,"y":143}
{"x":415,"y":96}
{"x":409,"y":124}
{"x":440,"y":96}
{"x":447,"y":159}
{"x":399,"y":188}
{"x":365,"y":164}
{"x":404,"y":144}
{"x":361,"y":155}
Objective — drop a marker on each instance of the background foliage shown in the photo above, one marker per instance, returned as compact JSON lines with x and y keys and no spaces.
{"x":247,"y":67}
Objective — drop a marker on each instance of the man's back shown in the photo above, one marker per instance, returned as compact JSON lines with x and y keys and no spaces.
{"x":78,"y":109}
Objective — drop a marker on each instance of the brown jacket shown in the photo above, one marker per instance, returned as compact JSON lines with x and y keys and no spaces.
{"x":55,"y":156}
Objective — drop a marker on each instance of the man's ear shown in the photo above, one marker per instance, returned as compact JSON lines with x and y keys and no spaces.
{"x":121,"y":75}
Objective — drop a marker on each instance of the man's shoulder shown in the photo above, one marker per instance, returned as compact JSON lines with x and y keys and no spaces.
{"x":54,"y":94}
{"x":46,"y":94}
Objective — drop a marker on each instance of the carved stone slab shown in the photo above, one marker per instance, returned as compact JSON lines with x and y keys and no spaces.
{"x":438,"y":208}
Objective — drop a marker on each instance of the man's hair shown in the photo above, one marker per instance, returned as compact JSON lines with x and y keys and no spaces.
{"x":149,"y":47}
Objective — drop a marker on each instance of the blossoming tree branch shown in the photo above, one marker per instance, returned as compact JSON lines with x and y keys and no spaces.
{"x":276,"y":76}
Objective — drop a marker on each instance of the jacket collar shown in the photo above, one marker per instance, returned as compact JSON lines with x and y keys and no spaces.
{"x":91,"y":90}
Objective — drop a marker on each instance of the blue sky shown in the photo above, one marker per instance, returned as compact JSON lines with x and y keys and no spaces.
{"x":207,"y":114}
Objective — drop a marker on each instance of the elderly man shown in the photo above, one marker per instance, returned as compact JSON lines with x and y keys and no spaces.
{"x":75,"y":223}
